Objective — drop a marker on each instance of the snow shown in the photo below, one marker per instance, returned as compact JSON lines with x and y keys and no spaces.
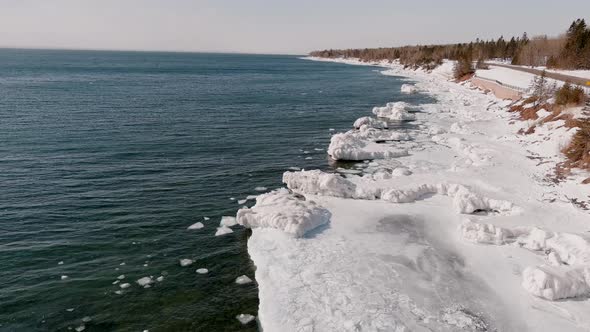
{"x":464,"y":231}
{"x":197,"y":225}
{"x":186,"y":262}
{"x":241,"y":280}
{"x":245,"y":318}
{"x":280,"y":209}
{"x":227,"y":221}
{"x":223,"y":230}
{"x":202,"y":271}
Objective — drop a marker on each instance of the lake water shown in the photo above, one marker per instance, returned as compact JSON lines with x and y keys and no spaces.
{"x":107,"y":157}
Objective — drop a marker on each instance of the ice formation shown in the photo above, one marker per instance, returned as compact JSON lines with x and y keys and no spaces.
{"x":354,"y":145}
{"x":245,"y":318}
{"x":125,"y":285}
{"x":409,"y":88}
{"x":197,"y":225}
{"x":370,"y":122}
{"x":202,"y":271}
{"x":227,"y":221}
{"x":241,"y":280}
{"x":145,"y":281}
{"x":283,"y":210}
{"x":223,"y":230}
{"x":395,"y":111}
{"x":186,"y":262}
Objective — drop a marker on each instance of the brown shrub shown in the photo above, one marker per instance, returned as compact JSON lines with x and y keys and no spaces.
{"x":578,"y":151}
{"x":569,"y":95}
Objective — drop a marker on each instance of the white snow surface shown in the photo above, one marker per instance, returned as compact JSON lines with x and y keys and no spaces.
{"x":394,"y":111}
{"x":281,"y":209}
{"x":409,"y":88}
{"x":463,"y":232}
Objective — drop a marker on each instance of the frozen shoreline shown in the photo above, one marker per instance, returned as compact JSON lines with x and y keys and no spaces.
{"x":461,"y":232}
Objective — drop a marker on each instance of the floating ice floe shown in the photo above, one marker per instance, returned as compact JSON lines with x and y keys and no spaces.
{"x":60,"y":263}
{"x":64,"y":277}
{"x":202,"y":271}
{"x":409,"y":88}
{"x":145,"y":281}
{"x":223,"y":230}
{"x":397,"y":111}
{"x":283,"y":210}
{"x":118,"y":292}
{"x":227,"y":221}
{"x":116,"y":282}
{"x":125,"y":285}
{"x":568,"y":273}
{"x":260,"y":188}
{"x":80,"y":328}
{"x":245,"y":318}
{"x":186,"y":262}
{"x":160,"y":279}
{"x":241,"y":280}
{"x":197,"y":225}
{"x":206,"y":218}
{"x":369,"y":122}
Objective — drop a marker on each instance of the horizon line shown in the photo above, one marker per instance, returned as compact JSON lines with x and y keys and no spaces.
{"x":41,"y":48}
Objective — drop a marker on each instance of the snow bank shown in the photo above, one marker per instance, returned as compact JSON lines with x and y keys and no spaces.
{"x":317,"y":182}
{"x":394,"y":111}
{"x":409,"y":88}
{"x":284,"y":210}
{"x":369,"y":122}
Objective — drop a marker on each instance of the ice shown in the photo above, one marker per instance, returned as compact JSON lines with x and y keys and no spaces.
{"x":227,"y":221}
{"x":80,"y":328}
{"x":223,"y":230}
{"x":394,"y":111}
{"x":260,"y":189}
{"x":245,"y":318}
{"x":116,"y":282}
{"x":202,"y":271}
{"x":308,"y":158}
{"x":60,"y":263}
{"x":64,"y":277}
{"x":283,"y":210}
{"x":70,"y":309}
{"x":554,"y":283}
{"x":241,"y":280}
{"x":197,"y":225}
{"x":160,"y":279}
{"x":352,"y":146}
{"x":317,"y":182}
{"x":186,"y":262}
{"x":206,"y":218}
{"x":369,"y":122}
{"x":242,"y":201}
{"x":409,"y":88}
{"x":118,"y":292}
{"x":86,"y":319}
{"x":145,"y":281}
{"x":125,"y":285}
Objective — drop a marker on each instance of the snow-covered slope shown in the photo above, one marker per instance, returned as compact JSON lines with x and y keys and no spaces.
{"x":463,"y":232}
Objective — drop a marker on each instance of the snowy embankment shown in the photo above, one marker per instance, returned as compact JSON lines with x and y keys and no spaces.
{"x":450,"y":226}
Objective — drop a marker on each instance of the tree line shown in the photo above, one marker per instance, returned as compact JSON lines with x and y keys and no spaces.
{"x":570,"y":50}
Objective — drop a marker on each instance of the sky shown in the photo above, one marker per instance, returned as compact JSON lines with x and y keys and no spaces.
{"x":274,"y":26}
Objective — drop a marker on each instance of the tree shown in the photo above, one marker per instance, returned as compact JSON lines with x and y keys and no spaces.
{"x":464,"y":66}
{"x":541,"y":89}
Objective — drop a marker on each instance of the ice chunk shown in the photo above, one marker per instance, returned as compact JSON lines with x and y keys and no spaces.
{"x":244,"y":279}
{"x":60,"y":263}
{"x":145,"y":281}
{"x":197,"y":225}
{"x":125,"y":285}
{"x":80,"y":328}
{"x":395,"y":111}
{"x":202,"y":271}
{"x":223,"y":230}
{"x":227,"y":221}
{"x":317,"y":182}
{"x":409,"y":88}
{"x":245,"y":318}
{"x":352,"y":146}
{"x":242,"y":201}
{"x":160,"y":279}
{"x":553,"y":283}
{"x":369,"y":122}
{"x":283,"y":210}
{"x":116,"y":282}
{"x":186,"y":262}
{"x":121,"y":277}
{"x":206,"y":218}
{"x":64,"y":277}
{"x":260,"y":189}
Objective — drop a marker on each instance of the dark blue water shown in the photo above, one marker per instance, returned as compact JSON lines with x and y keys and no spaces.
{"x":107,"y":157}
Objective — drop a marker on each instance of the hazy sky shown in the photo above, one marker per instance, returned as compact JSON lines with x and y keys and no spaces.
{"x":273,"y":26}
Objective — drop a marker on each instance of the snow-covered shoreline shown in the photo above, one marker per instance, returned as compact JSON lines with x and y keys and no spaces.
{"x":461,"y":231}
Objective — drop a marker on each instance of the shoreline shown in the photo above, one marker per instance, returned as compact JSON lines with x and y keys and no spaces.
{"x":470,"y":218}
